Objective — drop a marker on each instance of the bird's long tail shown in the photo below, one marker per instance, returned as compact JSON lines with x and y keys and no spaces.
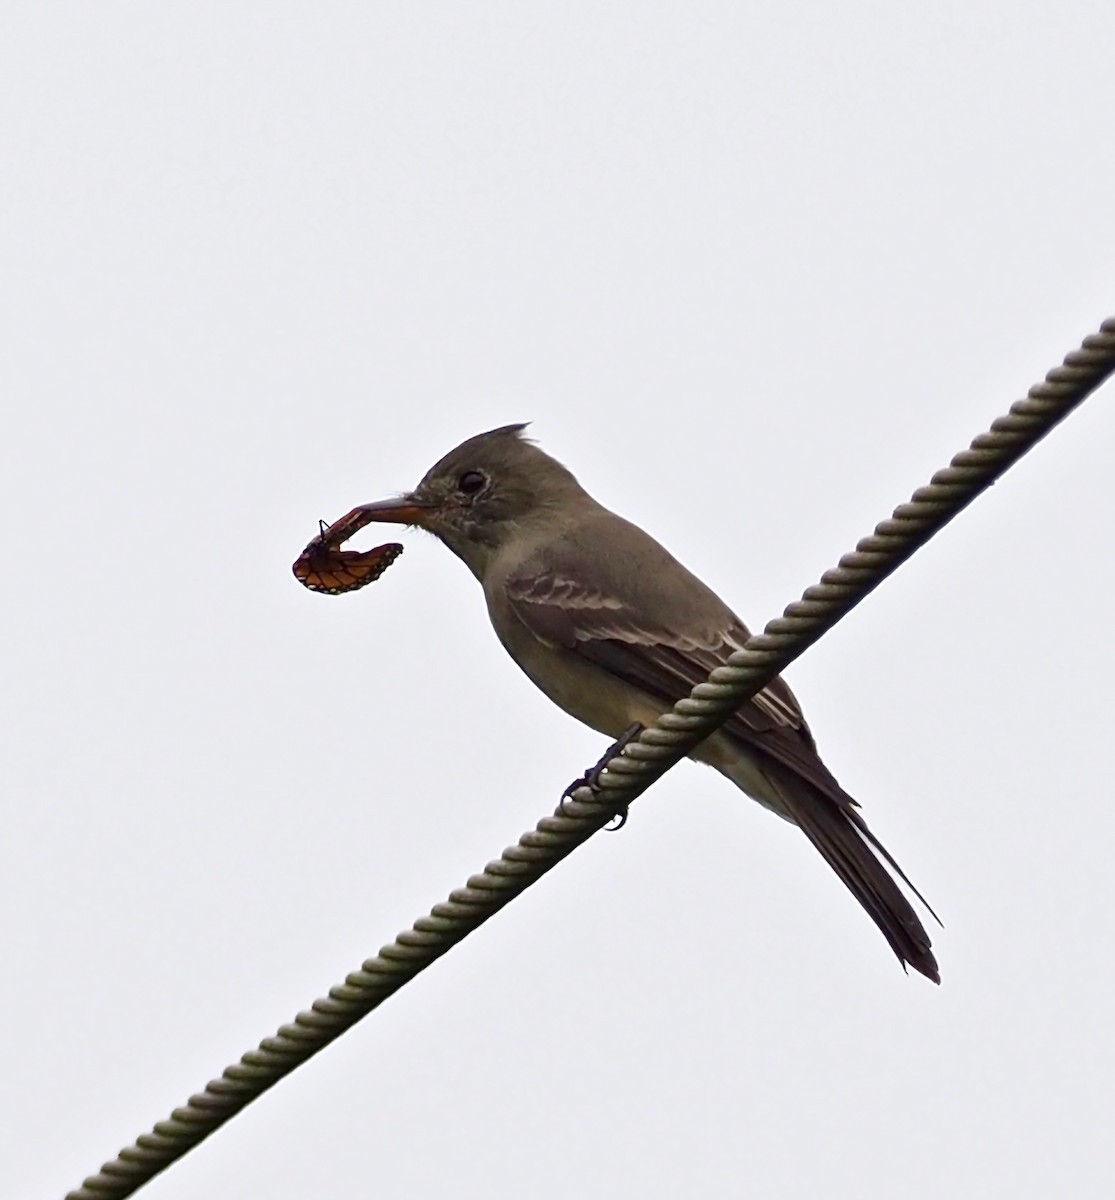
{"x":852,"y":850}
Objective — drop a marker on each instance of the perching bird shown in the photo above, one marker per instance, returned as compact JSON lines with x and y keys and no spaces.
{"x":615,"y":630}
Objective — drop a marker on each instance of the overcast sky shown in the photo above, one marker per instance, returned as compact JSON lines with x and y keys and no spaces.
{"x":754,"y":271}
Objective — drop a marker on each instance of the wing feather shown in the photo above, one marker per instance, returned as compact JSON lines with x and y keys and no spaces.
{"x":667,"y":664}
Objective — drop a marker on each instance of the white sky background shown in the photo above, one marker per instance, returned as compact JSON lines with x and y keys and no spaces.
{"x":754,"y":271}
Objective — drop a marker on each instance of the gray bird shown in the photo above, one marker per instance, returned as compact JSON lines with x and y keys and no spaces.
{"x":615,"y":630}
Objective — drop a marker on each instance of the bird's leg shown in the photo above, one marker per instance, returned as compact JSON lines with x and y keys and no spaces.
{"x":591,"y":778}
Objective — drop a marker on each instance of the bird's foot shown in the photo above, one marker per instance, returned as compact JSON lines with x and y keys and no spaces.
{"x":591,"y":778}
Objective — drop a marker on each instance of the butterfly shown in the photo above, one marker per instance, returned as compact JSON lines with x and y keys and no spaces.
{"x":324,"y":567}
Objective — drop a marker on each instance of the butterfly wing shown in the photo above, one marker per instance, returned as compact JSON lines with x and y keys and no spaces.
{"x":324,"y":567}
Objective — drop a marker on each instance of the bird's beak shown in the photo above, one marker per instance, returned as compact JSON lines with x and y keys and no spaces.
{"x":405,"y":510}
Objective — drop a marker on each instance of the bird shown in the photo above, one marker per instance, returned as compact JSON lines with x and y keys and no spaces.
{"x":615,"y":630}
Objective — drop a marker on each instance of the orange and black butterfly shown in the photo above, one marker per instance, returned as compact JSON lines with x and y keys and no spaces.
{"x":324,"y":567}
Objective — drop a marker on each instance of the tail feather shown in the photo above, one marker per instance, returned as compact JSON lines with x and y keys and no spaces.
{"x":848,"y":846}
{"x":858,"y":821}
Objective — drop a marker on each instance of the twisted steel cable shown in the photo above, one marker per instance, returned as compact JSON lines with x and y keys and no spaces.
{"x":629,"y":774}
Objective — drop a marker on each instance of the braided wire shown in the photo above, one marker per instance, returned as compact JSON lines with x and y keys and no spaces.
{"x":643,"y":761}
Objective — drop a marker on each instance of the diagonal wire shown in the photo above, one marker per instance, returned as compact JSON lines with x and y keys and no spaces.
{"x":672,"y":737}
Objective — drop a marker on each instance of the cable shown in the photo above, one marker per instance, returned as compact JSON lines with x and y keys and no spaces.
{"x":642,"y":762}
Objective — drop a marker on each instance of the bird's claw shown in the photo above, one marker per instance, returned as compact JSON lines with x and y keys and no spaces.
{"x":591,"y":778}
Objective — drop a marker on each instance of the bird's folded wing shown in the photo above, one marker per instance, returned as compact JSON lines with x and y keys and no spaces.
{"x":668,"y":663}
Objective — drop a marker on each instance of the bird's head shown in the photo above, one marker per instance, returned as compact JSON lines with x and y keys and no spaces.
{"x":479,"y":494}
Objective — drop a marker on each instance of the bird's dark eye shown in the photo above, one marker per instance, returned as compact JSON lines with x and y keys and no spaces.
{"x":471,"y":482}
